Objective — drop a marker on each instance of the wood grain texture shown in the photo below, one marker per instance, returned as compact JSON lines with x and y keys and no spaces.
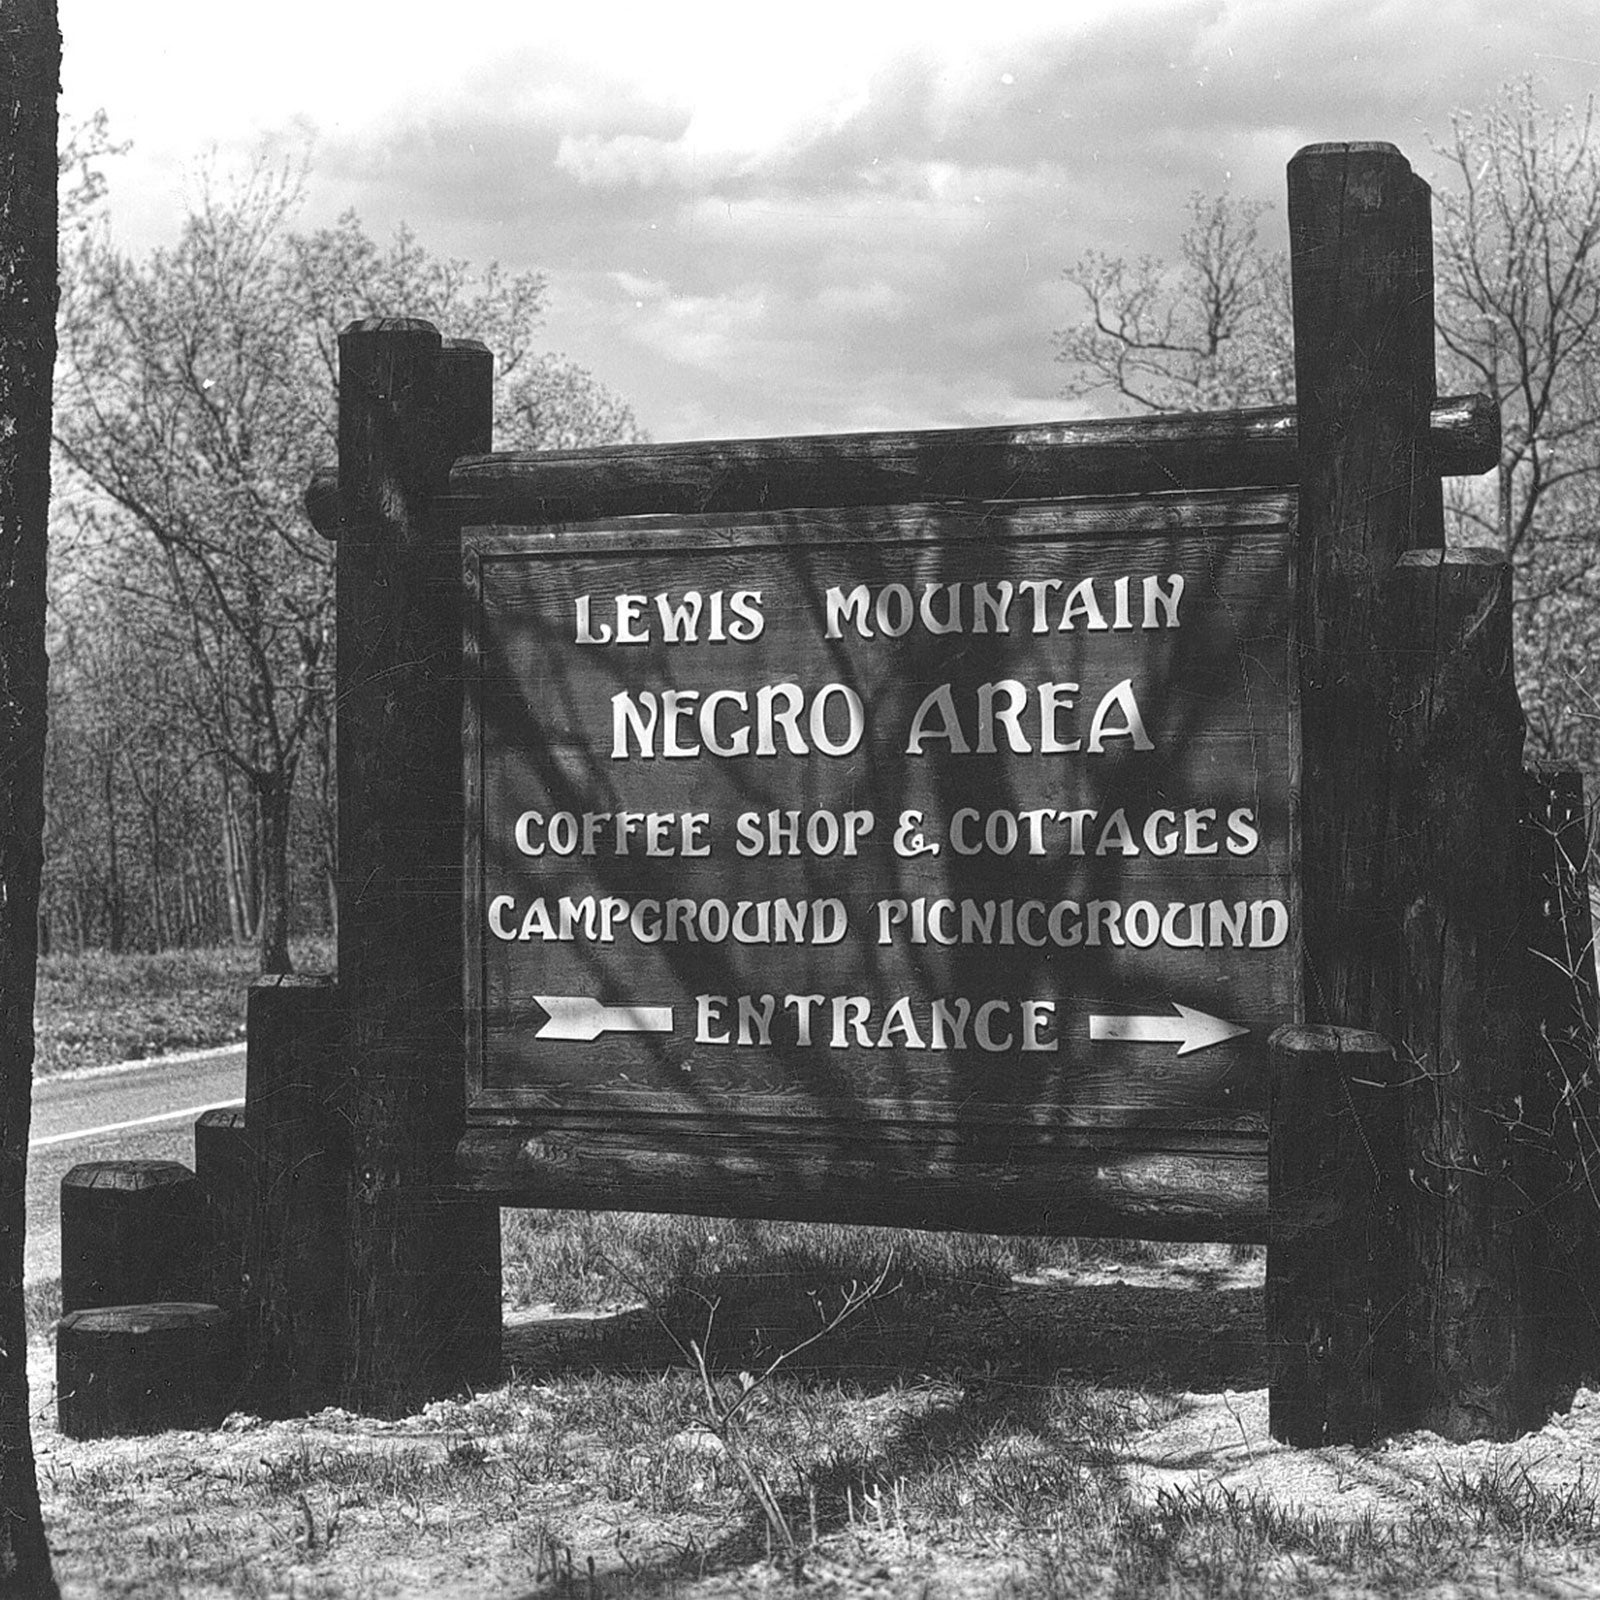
{"x":423,"y":1284}
{"x":130,"y":1231}
{"x":1363,"y":389}
{"x":138,"y":1369}
{"x":1335,"y":1282}
{"x":30,"y":80}
{"x":301,"y":1147}
{"x":1421,"y":334}
{"x":1213,"y":683}
{"x":1555,"y":1148}
{"x":1101,"y":1190}
{"x":1114,"y":455}
{"x":225,"y":1169}
{"x":1458,"y":892}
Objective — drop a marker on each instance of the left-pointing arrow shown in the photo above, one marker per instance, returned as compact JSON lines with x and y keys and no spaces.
{"x":1190,"y":1030}
{"x":576,"y":1016}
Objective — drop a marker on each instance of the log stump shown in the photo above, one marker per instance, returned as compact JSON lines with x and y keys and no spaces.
{"x":142,"y":1369}
{"x":224,"y":1167}
{"x":294,"y":1258}
{"x":132,"y":1233}
{"x":1337,"y":1174}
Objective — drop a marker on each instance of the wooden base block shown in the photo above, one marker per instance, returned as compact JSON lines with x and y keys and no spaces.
{"x":132,"y":1233}
{"x":142,"y":1369}
{"x":1335,"y":1283}
{"x":224,"y":1167}
{"x":294,"y":1256}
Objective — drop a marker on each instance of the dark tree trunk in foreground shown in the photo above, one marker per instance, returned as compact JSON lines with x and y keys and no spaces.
{"x":30,"y":64}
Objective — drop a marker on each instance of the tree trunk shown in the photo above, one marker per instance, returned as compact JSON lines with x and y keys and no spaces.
{"x":275,"y":796}
{"x":30,"y":65}
{"x":157,"y":873}
{"x":242,"y":922}
{"x":116,"y":914}
{"x":327,"y":825}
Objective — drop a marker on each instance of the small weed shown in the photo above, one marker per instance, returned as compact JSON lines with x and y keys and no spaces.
{"x":1503,"y":1500}
{"x":726,"y":1408}
{"x":533,"y":1464}
{"x":95,"y":1487}
{"x":314,"y":1529}
{"x":294,"y":1469}
{"x":468,"y":1455}
{"x":41,"y":1307}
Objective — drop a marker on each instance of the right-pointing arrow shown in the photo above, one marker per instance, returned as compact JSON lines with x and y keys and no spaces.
{"x":577,"y":1016}
{"x":1190,"y":1030}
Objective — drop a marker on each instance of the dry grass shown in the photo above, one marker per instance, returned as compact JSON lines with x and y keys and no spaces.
{"x":1005,"y":1417}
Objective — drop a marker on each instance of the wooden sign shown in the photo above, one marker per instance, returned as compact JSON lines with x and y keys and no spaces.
{"x":936,"y":861}
{"x":966,"y":814}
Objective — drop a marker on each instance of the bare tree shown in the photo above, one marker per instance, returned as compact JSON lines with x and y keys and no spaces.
{"x":552,"y":403}
{"x":1517,"y":301}
{"x":198,"y":392}
{"x":30,"y":62}
{"x":184,"y":407}
{"x":1519,"y":306}
{"x":1209,"y":331}
{"x":136,"y":819}
{"x":1518,"y":254}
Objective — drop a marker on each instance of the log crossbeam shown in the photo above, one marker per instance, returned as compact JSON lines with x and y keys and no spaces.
{"x":1248,"y":449}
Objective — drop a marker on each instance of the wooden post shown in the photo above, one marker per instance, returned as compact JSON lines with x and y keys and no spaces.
{"x":1364,"y":384}
{"x":143,"y":1369}
{"x":1428,"y":485}
{"x":224,"y":1167}
{"x":423,"y":1283}
{"x":1412,"y":870}
{"x":294,"y":1263}
{"x":131,"y":1232}
{"x":1360,"y":257}
{"x":1336,"y":1177}
{"x":1557,"y":1136}
{"x":1458,"y":891}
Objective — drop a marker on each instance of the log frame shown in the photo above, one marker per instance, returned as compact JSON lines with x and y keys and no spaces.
{"x":1399,"y":643}
{"x":422,"y":1301}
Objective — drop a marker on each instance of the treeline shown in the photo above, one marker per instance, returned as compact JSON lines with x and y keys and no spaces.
{"x":191,"y":761}
{"x":151,"y":841}
{"x":190,"y":778}
{"x":1516,"y":215}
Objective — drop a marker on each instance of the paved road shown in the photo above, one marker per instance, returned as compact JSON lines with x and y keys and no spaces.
{"x":138,"y":1109}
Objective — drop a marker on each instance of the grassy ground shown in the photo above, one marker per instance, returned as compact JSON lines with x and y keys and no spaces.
{"x":1000,"y":1417}
{"x":96,"y":1008}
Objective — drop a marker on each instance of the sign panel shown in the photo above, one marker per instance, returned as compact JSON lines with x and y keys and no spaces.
{"x":978,"y":815}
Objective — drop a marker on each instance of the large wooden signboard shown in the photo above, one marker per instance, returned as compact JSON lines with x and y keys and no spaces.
{"x":933,"y":861}
{"x":977,"y":816}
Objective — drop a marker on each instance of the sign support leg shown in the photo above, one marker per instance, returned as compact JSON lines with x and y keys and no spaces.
{"x":422,"y":1306}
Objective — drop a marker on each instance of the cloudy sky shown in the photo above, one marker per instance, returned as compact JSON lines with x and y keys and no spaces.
{"x":762,"y":220}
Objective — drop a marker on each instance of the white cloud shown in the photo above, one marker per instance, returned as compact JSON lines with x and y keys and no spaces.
{"x":707,"y":331}
{"x":879,"y":300}
{"x":761,"y":221}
